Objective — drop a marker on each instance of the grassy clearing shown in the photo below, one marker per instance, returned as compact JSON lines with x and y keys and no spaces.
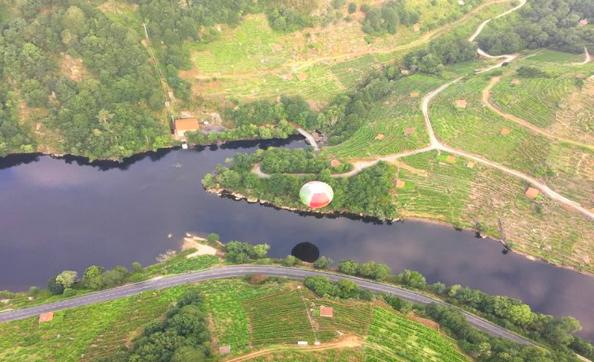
{"x":553,"y":56}
{"x":392,"y":337}
{"x":252,"y":61}
{"x":84,"y":333}
{"x":279,"y":318}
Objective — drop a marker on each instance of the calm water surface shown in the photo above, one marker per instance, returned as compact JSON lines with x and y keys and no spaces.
{"x":58,"y":214}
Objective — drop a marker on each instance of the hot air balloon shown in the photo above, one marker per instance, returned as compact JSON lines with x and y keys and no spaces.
{"x":316,"y":194}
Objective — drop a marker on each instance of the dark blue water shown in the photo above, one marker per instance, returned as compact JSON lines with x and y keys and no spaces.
{"x":58,"y":214}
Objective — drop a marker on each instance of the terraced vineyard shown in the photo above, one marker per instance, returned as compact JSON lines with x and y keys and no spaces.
{"x":231,"y":321}
{"x":395,"y":338}
{"x":478,"y":130}
{"x":436,"y":186}
{"x":349,"y":317}
{"x":278,"y":318}
{"x":92,"y":332}
{"x":394,"y":125}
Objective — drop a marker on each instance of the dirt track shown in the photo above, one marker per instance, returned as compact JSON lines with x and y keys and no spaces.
{"x":345,"y":342}
{"x":486,"y":98}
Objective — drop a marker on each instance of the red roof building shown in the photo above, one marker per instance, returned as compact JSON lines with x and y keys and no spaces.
{"x":327,"y":312}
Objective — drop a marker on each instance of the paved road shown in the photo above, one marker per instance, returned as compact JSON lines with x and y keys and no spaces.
{"x":239,"y":271}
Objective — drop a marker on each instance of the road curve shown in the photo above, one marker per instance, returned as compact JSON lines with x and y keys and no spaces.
{"x":235,"y":271}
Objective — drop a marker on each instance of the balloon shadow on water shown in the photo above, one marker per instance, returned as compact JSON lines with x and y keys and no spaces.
{"x":306,"y":251}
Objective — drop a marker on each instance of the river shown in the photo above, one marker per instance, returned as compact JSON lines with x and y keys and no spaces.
{"x":58,"y":214}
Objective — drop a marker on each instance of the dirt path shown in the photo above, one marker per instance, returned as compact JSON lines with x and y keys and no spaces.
{"x":345,"y":342}
{"x":486,"y":98}
{"x":587,"y":58}
{"x":543,"y":187}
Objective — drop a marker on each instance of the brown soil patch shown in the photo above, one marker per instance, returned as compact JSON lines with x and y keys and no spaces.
{"x":461,"y":103}
{"x":335,"y":163}
{"x":424,"y":321}
{"x":414,"y":94}
{"x":302,"y":76}
{"x":516,"y":81}
{"x":451,"y":159}
{"x":379,"y":137}
{"x":409,"y":131}
{"x":407,"y":167}
{"x":417,"y":27}
{"x":400,"y":184}
{"x":470,"y":164}
{"x":531,"y":193}
{"x":73,"y":68}
{"x":346,"y":341}
{"x":505,"y":131}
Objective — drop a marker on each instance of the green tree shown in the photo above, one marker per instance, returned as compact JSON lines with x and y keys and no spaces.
{"x":67,"y":278}
{"x":93,"y":277}
{"x":322,"y":263}
{"x":350,"y":267}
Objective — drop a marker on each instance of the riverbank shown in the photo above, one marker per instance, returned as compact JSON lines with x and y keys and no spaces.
{"x":372,"y":219}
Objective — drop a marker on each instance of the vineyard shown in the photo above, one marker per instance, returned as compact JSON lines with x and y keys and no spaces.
{"x":395,"y":338}
{"x":393,"y":125}
{"x":93,"y":331}
{"x":478,"y":130}
{"x":224,"y":300}
{"x":279,"y":318}
{"x":349,"y":317}
{"x":436,"y":186}
{"x":533,"y":99}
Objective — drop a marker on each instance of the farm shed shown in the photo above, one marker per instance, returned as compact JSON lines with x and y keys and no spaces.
{"x":327,"y":312}
{"x":181,"y":126}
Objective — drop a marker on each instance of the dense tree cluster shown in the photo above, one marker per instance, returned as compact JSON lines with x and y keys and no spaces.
{"x":370,"y":270}
{"x":94,"y":278}
{"x":543,"y":24}
{"x":283,"y":160}
{"x":109,"y":113}
{"x":368,"y":192}
{"x":182,"y":336}
{"x":13,"y":138}
{"x":483,"y":347}
{"x":385,"y":19}
{"x":241,"y":252}
{"x":344,"y":288}
{"x":439,"y":53}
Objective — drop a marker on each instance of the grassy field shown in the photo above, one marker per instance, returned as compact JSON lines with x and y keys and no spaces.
{"x":393,"y":337}
{"x":252,"y":61}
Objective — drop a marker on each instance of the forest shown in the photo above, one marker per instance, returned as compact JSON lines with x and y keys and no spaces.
{"x":551,"y":24}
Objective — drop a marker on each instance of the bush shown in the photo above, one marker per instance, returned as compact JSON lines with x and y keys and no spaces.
{"x":352,"y":8}
{"x":322,"y":263}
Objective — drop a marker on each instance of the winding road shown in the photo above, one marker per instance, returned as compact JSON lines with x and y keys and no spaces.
{"x":235,"y":271}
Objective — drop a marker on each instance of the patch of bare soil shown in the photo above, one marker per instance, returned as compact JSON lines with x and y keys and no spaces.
{"x":73,"y":68}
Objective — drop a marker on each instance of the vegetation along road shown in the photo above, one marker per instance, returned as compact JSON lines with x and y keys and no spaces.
{"x":239,"y":271}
